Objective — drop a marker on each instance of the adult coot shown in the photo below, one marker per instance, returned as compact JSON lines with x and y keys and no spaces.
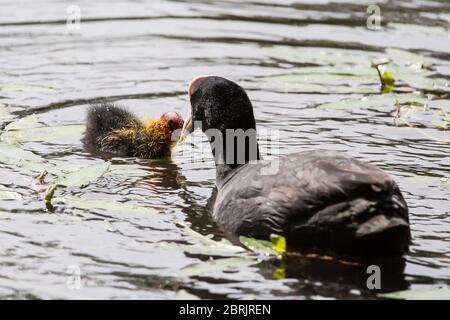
{"x":113,"y":129}
{"x":319,"y":200}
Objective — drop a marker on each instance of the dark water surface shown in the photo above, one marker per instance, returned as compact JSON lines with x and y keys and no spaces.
{"x":142,"y":54}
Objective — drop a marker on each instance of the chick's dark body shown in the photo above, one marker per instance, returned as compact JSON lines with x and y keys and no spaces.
{"x":113,"y":129}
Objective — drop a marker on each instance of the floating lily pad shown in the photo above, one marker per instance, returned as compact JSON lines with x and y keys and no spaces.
{"x":385,"y":100}
{"x":5,"y":113}
{"x":408,"y":58}
{"x":10,"y":195}
{"x":223,"y":245}
{"x":57,"y":134}
{"x":15,"y":87}
{"x":83,"y":176}
{"x":259,"y":246}
{"x":320,"y":56}
{"x":431,"y":181}
{"x":13,"y":155}
{"x":203,"y":249}
{"x":23,"y":123}
{"x":424,"y":83}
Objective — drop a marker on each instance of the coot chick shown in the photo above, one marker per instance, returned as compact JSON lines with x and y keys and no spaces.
{"x":321,"y":201}
{"x":113,"y":129}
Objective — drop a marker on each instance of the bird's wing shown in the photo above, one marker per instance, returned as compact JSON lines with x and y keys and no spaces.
{"x":259,"y":200}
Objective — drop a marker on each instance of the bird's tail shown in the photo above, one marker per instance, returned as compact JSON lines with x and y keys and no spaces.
{"x":360,"y":227}
{"x":386,"y":230}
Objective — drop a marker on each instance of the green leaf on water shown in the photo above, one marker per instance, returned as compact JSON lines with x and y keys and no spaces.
{"x":279,"y":273}
{"x":388,"y":78}
{"x":13,"y":155}
{"x":425,"y":83}
{"x":10,"y":195}
{"x":431,"y":181}
{"x":5,"y":113}
{"x":319,"y":56}
{"x":15,"y":87}
{"x":203,"y":249}
{"x":223,"y":245}
{"x":385,"y":101}
{"x":323,"y":80}
{"x":49,"y":193}
{"x":263,"y":247}
{"x":403,"y":57}
{"x":83,"y":176}
{"x":57,"y":134}
{"x":23,"y":123}
{"x":279,"y":243}
{"x":107,"y":205}
{"x":427,"y":293}
{"x":414,"y":28}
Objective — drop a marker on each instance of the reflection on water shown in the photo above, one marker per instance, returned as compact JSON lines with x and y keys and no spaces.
{"x":142,"y":55}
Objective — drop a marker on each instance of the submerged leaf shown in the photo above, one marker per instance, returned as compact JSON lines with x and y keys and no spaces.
{"x":424,"y":83}
{"x":428,"y":293}
{"x":57,"y":134}
{"x":431,"y":181}
{"x":403,"y":57}
{"x":227,"y":264}
{"x":279,"y":273}
{"x":10,"y":195}
{"x":86,"y":203}
{"x":413,"y":28}
{"x":259,"y":246}
{"x":13,"y":87}
{"x":371,"y":101}
{"x":49,"y":193}
{"x":319,"y":56}
{"x":203,"y":249}
{"x":84,"y":175}
{"x":23,"y":123}
{"x":223,"y":245}
{"x":13,"y":155}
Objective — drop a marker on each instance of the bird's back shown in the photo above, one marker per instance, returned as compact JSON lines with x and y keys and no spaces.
{"x":319,"y":200}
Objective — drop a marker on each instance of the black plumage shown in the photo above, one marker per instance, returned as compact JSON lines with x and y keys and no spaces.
{"x":319,"y":200}
{"x":104,"y":118}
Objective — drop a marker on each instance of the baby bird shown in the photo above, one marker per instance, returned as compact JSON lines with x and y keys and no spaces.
{"x":113,"y":129}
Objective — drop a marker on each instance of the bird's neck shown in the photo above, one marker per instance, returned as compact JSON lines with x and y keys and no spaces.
{"x":232,"y":149}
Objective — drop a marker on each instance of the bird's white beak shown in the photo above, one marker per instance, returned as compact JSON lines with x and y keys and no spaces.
{"x":188,"y":127}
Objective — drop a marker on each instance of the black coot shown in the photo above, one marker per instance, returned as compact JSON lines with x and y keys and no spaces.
{"x":319,"y":200}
